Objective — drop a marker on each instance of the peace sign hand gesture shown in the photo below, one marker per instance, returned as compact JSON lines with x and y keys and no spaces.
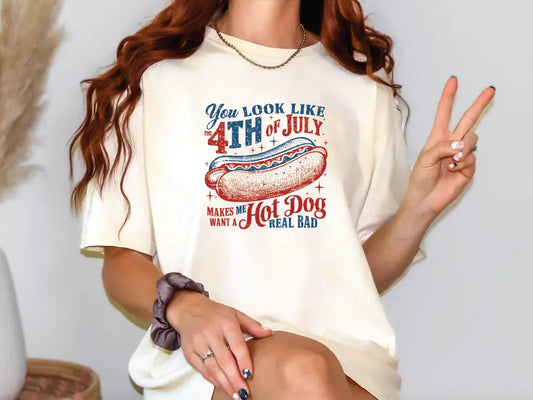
{"x":446,"y":163}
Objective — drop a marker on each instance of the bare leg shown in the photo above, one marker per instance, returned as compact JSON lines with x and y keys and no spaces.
{"x":289,"y":366}
{"x":358,"y":392}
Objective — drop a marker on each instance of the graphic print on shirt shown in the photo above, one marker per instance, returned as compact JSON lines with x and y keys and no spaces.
{"x":255,"y":172}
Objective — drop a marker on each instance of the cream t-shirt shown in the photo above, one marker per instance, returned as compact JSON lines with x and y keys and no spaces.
{"x":262,"y":185}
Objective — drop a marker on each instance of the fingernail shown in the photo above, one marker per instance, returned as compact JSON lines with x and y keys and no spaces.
{"x":453,"y":76}
{"x":243,"y":393}
{"x":458,"y":144}
{"x":236,"y":396}
{"x":493,"y":87}
{"x":246,"y":373}
{"x":452,"y":165}
{"x":458,"y":156}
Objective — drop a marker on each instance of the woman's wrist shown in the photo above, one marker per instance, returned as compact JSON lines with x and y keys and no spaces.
{"x":162,"y":331}
{"x":182,"y":300}
{"x":415,"y":214}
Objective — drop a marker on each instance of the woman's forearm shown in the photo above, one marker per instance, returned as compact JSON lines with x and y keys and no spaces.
{"x":392,"y":247}
{"x":129,"y":278}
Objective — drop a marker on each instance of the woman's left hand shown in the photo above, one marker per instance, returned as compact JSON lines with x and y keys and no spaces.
{"x":435,"y":181}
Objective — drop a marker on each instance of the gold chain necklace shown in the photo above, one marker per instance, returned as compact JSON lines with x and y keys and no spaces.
{"x":260,"y":65}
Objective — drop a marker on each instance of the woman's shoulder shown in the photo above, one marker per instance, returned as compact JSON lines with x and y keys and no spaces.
{"x":341,"y":73}
{"x":158,"y":67}
{"x":162,"y":72}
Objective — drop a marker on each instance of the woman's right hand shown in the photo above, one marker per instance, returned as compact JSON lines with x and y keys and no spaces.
{"x":204,"y":325}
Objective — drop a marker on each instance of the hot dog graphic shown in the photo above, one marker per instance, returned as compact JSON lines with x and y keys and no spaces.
{"x":283,"y":169}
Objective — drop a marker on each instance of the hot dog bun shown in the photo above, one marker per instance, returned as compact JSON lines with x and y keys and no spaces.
{"x":275,"y":172}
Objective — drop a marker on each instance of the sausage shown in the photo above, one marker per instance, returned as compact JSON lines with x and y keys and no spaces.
{"x":283,"y":169}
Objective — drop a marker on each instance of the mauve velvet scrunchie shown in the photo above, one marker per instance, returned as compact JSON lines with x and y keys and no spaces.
{"x":162,"y":333}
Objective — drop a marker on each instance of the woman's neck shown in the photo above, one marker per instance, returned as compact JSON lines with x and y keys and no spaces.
{"x":273,"y":23}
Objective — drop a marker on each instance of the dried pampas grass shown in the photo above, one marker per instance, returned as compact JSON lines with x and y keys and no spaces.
{"x":28,"y":41}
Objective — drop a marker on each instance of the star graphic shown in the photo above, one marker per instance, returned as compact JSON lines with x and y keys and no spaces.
{"x":319,"y":187}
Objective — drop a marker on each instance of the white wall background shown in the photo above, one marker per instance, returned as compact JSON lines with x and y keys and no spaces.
{"x":462,"y":316}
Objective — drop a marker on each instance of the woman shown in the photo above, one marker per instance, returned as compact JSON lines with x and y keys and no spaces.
{"x":261,"y":155}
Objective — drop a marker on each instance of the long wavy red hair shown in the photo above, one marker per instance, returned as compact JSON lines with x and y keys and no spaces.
{"x":177,"y":32}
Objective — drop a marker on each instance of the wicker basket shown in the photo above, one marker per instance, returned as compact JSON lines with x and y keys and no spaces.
{"x":59,"y":380}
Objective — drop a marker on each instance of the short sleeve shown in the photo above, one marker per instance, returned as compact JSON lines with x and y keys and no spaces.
{"x":103,"y":216}
{"x":391,"y":168}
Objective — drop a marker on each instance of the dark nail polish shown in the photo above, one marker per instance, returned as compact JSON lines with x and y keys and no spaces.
{"x":493,"y":87}
{"x":246,"y":373}
{"x":243,"y":393}
{"x":453,"y":76}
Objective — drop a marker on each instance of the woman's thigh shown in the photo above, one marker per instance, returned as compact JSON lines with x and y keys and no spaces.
{"x":358,"y":392}
{"x":285,"y":361}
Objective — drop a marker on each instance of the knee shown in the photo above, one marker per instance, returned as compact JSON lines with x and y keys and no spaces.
{"x":310,"y":372}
